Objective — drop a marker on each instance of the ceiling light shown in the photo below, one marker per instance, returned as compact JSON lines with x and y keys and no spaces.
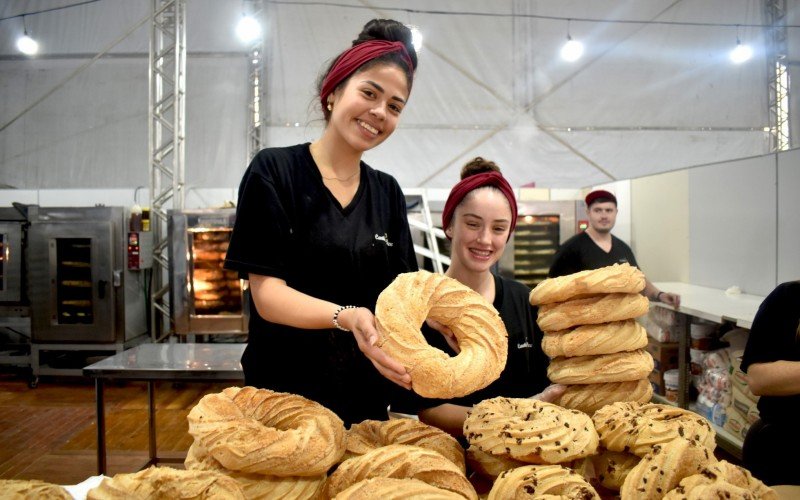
{"x":248,"y":29}
{"x":740,"y":53}
{"x":572,"y":50}
{"x":27,"y":45}
{"x":416,"y":38}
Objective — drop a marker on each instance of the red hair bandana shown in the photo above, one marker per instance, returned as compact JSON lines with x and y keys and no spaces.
{"x":473,"y":182}
{"x":352,"y":59}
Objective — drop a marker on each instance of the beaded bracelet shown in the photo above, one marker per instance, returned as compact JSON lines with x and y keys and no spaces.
{"x":336,"y":317}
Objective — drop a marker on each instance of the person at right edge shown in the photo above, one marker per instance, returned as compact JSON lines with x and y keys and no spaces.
{"x":772,"y":362}
{"x":597,"y":247}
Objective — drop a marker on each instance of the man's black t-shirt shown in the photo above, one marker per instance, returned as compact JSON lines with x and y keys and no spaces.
{"x":773,"y":337}
{"x":290,"y":226}
{"x":581,"y":253}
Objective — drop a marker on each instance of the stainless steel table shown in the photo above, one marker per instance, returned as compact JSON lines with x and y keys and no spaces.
{"x":152,"y":362}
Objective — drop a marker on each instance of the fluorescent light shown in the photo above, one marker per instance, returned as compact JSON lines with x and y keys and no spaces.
{"x":741,"y":53}
{"x":416,"y":38}
{"x":27,"y":45}
{"x":572,"y":50}
{"x":248,"y":29}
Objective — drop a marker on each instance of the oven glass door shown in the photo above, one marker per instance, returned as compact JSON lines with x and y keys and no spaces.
{"x":10,"y":262}
{"x":73,"y":295}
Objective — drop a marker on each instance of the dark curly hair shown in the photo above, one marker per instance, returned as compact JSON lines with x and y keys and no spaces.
{"x":477,"y":166}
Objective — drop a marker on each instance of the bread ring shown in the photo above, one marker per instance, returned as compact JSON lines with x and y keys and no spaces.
{"x":258,"y":485}
{"x":636,"y":428}
{"x":591,"y":311}
{"x":612,"y":467}
{"x":258,"y":430}
{"x":722,"y":480}
{"x":530,"y":431}
{"x":387,"y":488}
{"x":165,"y":482}
{"x":589,"y":398}
{"x":542,"y":481}
{"x":619,"y":278}
{"x":604,"y":338}
{"x":603,"y":368}
{"x":370,"y":434}
{"x":488,"y":465}
{"x":401,"y":461}
{"x":33,"y":489}
{"x":664,"y":467}
{"x":411,"y":298}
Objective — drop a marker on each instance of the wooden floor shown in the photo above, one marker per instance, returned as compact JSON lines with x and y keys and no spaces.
{"x":49,"y":433}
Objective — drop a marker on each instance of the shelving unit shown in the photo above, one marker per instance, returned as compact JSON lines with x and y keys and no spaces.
{"x":535,"y":245}
{"x":717,"y":306}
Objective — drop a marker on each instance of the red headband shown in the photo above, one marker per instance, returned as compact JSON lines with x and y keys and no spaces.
{"x":352,"y":59}
{"x":473,"y":182}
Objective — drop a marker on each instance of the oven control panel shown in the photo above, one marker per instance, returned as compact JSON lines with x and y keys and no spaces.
{"x":140,"y":250}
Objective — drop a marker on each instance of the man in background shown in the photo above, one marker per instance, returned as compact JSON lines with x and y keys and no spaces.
{"x":597,"y":247}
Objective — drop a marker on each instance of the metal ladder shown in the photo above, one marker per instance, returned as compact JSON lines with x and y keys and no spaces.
{"x":428,"y":230}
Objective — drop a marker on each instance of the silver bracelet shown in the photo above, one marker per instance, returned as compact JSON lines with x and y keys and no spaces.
{"x":336,"y":317}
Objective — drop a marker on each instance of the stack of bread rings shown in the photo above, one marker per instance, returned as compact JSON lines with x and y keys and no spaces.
{"x":595,"y":344}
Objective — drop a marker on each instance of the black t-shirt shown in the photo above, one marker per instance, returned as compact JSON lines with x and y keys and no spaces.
{"x":525,"y":373}
{"x":290,"y":226}
{"x":581,"y":253}
{"x":773,"y":337}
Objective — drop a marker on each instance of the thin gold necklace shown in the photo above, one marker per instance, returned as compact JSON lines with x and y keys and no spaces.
{"x":338,"y":179}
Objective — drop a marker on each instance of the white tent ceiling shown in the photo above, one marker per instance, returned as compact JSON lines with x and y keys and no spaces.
{"x":651,"y":94}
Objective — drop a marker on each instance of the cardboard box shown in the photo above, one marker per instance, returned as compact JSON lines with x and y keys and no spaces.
{"x":665,"y":357}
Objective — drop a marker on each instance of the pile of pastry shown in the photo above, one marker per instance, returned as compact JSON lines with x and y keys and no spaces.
{"x":595,"y":344}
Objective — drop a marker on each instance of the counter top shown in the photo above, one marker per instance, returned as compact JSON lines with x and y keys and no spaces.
{"x":713,"y":304}
{"x":173,"y":362}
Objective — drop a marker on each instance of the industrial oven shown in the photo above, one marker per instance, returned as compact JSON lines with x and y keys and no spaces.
{"x":12,"y":224}
{"x":204,"y":297}
{"x":80,"y":289}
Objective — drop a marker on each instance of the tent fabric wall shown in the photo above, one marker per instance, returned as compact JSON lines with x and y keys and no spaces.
{"x":645,"y":98}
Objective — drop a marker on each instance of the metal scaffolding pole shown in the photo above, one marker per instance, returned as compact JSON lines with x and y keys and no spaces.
{"x":777,"y":75}
{"x":256,"y":83}
{"x":166,"y":127}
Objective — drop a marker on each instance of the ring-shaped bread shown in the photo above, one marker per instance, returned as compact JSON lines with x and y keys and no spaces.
{"x":589,"y":398}
{"x":542,"y":481}
{"x":602,"y":368}
{"x":388,"y":488}
{"x":530,"y":431}
{"x":166,"y":482}
{"x":618,"y":278}
{"x":400,"y":312}
{"x":637,"y":428}
{"x":258,"y":430}
{"x":370,"y":434}
{"x":258,"y":485}
{"x":591,"y":311}
{"x":588,"y":340}
{"x":721,"y":480}
{"x":664,"y":467}
{"x":33,"y":489}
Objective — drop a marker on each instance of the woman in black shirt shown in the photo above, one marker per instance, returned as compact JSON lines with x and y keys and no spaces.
{"x":772,"y":363}
{"x":319,"y":234}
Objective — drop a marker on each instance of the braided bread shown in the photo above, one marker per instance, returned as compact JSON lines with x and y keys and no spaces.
{"x":401,"y":461}
{"x":371,"y":434}
{"x":619,"y":278}
{"x":722,"y":480}
{"x":617,"y":367}
{"x":591,"y":311}
{"x":32,"y":489}
{"x":604,"y":338}
{"x":636,"y":428}
{"x":411,"y":298}
{"x":530,"y":431}
{"x":664,"y":467}
{"x":258,"y":430}
{"x":387,"y":488}
{"x":258,"y":485}
{"x":589,"y":398}
{"x":164,"y":482}
{"x":541,"y":481}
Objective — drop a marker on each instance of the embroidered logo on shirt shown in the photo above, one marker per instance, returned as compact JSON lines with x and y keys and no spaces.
{"x":385,"y":239}
{"x":524,"y":345}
